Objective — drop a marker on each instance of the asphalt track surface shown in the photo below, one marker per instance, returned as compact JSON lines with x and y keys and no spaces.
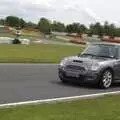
{"x":29,"y":82}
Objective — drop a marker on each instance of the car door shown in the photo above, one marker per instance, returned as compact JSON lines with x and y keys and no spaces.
{"x":117,"y":65}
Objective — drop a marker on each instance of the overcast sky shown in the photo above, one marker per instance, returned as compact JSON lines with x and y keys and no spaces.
{"x":67,"y":11}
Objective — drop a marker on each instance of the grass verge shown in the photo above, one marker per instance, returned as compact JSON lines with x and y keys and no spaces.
{"x":36,"y":53}
{"x":106,"y":108}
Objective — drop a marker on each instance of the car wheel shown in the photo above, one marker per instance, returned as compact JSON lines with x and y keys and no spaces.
{"x":61,"y":77}
{"x":106,"y":79}
{"x":63,"y":80}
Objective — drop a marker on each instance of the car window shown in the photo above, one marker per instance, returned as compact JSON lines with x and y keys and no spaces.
{"x":101,"y":50}
{"x":112,"y":51}
{"x":119,"y":53}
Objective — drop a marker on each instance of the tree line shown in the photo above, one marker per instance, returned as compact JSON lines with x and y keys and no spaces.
{"x":17,"y":22}
{"x":46,"y":26}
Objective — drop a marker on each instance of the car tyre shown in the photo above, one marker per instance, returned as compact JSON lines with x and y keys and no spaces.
{"x":62,"y":79}
{"x":106,"y":79}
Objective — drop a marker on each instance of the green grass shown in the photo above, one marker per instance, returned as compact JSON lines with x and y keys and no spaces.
{"x":106,"y":108}
{"x":36,"y":53}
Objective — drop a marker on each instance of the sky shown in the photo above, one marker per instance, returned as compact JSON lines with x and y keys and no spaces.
{"x":67,"y":11}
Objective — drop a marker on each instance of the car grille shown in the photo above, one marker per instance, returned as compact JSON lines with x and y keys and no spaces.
{"x":75,"y":68}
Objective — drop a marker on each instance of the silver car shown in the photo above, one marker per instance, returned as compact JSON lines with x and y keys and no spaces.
{"x":99,"y":64}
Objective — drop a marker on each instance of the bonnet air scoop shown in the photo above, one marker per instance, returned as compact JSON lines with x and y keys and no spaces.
{"x":78,"y":61}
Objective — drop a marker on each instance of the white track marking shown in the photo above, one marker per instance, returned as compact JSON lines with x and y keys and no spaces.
{"x":54,"y":100}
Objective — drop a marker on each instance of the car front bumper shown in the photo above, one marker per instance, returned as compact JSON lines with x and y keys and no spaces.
{"x":90,"y":76}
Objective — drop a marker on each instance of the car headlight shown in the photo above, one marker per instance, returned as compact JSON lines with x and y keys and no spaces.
{"x":63,"y":62}
{"x":95,"y":67}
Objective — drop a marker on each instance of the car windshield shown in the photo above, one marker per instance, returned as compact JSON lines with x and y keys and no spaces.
{"x":100,"y":51}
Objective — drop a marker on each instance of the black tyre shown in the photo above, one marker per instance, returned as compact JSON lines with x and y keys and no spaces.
{"x":61,"y":77}
{"x":106,"y":79}
{"x":63,"y":80}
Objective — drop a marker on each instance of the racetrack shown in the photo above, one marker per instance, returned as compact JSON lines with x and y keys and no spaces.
{"x":27,"y":82}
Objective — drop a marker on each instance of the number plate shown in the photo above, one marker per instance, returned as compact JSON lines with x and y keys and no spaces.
{"x":72,"y":74}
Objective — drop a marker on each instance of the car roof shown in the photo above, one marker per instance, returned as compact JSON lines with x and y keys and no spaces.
{"x":106,"y":43}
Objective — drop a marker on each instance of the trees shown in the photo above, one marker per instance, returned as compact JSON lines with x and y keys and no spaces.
{"x":106,"y":29}
{"x":69,"y":28}
{"x":2,"y":21}
{"x":17,"y":22}
{"x":58,"y":27}
{"x":13,"y":21}
{"x":109,"y":29}
{"x":73,"y":28}
{"x":22,"y":23}
{"x":44,"y":25}
{"x":31,"y":25}
{"x":117,"y":32}
{"x":83,"y":29}
{"x":96,"y":29}
{"x":76,"y":28}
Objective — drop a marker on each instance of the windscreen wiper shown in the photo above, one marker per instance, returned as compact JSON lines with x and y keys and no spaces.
{"x":88,"y":54}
